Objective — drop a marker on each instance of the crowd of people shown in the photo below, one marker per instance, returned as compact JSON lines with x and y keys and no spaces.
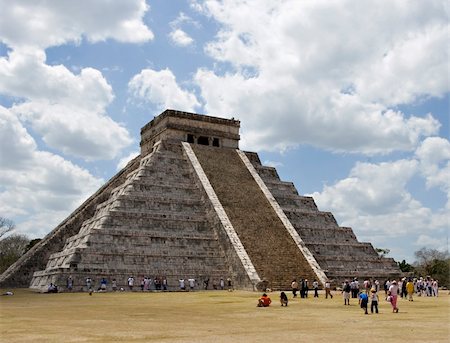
{"x":367,"y":292}
{"x":145,"y":283}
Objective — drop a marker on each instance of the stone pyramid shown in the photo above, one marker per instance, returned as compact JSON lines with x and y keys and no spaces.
{"x":193,"y":205}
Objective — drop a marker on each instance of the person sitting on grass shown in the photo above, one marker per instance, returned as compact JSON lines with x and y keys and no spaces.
{"x":264,"y":301}
{"x":283,"y":299}
{"x":52,"y":288}
{"x":363,"y":301}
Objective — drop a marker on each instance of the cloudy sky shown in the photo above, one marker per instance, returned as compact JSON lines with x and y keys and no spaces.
{"x":348,"y":99}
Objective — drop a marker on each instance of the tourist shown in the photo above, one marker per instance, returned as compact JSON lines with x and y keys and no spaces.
{"x":328,"y":290}
{"x":69,"y":283}
{"x":264,"y":301}
{"x":294,"y":286}
{"x":429,"y":287}
{"x":205,"y":284}
{"x":147,"y":283}
{"x":316,"y":288}
{"x":157,"y":283}
{"x":142,"y":284}
{"x":393,"y":294}
{"x":354,"y":287}
{"x":363,"y":301}
{"x":367,"y":285}
{"x":52,"y":288}
{"x":304,"y":288}
{"x":114,"y":285}
{"x":222,"y":284}
{"x":435,"y":287}
{"x":191,"y":282}
{"x":182,"y":284}
{"x":410,"y":289}
{"x":386,"y":286}
{"x":346,"y":289}
{"x":283,"y":299}
{"x":89,"y":284}
{"x":164,"y":283}
{"x":422,"y":287}
{"x":403,"y":292}
{"x":377,"y":286}
{"x":130,"y":283}
{"x":229,"y":284}
{"x":374,"y":300}
{"x":103,"y":284}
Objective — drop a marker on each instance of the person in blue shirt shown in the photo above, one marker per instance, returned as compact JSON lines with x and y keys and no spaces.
{"x":363,"y":301}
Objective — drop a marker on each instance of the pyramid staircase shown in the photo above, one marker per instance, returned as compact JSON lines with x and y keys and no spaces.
{"x":272,"y":250}
{"x":335,"y":248}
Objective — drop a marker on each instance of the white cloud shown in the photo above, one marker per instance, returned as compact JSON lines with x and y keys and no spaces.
{"x":36,"y":183}
{"x":434,"y":157}
{"x":181,"y":38}
{"x":371,"y":190}
{"x":43,"y":24}
{"x":161,"y":89}
{"x":178,"y":35}
{"x":67,"y":110}
{"x":375,"y":201}
{"x":430,"y":242}
{"x":327,"y":73}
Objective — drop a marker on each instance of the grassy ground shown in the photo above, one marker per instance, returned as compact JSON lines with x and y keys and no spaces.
{"x":214,"y":316}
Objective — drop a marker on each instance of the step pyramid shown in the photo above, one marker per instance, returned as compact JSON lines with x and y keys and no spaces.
{"x":193,"y":205}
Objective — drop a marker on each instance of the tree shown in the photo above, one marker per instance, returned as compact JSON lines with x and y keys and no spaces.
{"x":382,"y":252}
{"x":6,"y":225}
{"x":11,"y":248}
{"x":405,"y":267}
{"x":32,"y":243}
{"x":434,"y":263}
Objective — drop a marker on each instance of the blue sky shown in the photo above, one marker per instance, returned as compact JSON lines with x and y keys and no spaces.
{"x":348,"y":99}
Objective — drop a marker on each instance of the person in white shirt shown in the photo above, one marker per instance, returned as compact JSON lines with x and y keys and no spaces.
{"x":130,"y":283}
{"x":328,"y":290}
{"x":374,"y":300}
{"x":435,"y":288}
{"x":182,"y":285}
{"x":316,"y":288}
{"x":191,"y":284}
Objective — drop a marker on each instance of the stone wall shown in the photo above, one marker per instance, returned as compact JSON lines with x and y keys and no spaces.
{"x":20,"y":273}
{"x":154,"y":224}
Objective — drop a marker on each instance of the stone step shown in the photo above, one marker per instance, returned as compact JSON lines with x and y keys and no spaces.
{"x":267,"y":173}
{"x":138,"y":198}
{"x":293,"y":202}
{"x":312,"y":219}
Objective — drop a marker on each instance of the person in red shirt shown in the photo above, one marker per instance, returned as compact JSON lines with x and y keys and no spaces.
{"x":264,"y":301}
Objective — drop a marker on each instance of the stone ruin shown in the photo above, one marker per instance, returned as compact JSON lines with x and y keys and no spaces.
{"x":192,"y":205}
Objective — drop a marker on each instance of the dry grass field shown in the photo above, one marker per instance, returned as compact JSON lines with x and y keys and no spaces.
{"x":214,"y":316}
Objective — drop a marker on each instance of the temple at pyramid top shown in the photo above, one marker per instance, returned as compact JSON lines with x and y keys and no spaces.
{"x":192,"y":205}
{"x":191,"y":128}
